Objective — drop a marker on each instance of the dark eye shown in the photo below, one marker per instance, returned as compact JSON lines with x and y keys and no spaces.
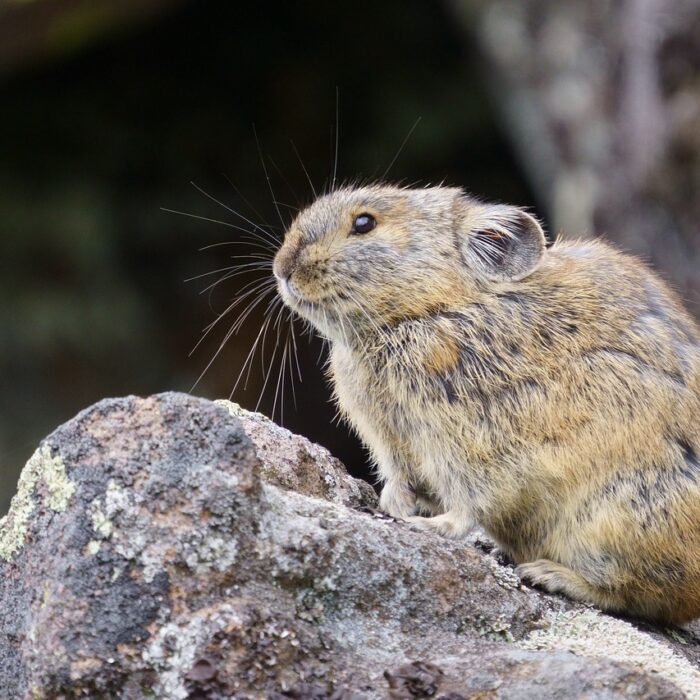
{"x":363,"y":223}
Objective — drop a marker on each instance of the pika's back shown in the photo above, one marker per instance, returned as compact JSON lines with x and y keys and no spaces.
{"x":590,"y":298}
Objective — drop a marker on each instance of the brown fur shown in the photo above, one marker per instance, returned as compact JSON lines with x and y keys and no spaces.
{"x":551,"y":396}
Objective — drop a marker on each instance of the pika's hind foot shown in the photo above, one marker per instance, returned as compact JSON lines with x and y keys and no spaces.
{"x":451,"y":524}
{"x":555,"y":578}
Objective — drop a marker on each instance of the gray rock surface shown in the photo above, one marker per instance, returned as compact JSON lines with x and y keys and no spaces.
{"x":172,"y":547}
{"x":295,"y":464}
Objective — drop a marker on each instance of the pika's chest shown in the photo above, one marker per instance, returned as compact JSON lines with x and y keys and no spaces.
{"x":442,"y":417}
{"x":376,"y":391}
{"x":390,"y":405}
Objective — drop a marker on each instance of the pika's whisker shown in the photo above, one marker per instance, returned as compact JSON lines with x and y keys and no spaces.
{"x":401,"y":147}
{"x":289,"y":186}
{"x":230,"y":275}
{"x":337,"y":130}
{"x":280,"y":378}
{"x":259,"y":265}
{"x":288,"y":206}
{"x":229,"y":333}
{"x":294,"y":342}
{"x":248,"y":242}
{"x":291,"y":380}
{"x":230,"y":209}
{"x":267,"y":177}
{"x":320,"y":352}
{"x":246,"y":312}
{"x":210,"y":220}
{"x":249,"y":358}
{"x":250,"y":206}
{"x":252,"y":256}
{"x":261,"y":335}
{"x":303,"y":167}
{"x":240,"y":298}
{"x":269,"y":311}
{"x":247,"y":289}
{"x":272,"y":361}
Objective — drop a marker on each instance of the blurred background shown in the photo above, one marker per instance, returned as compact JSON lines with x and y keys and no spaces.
{"x":587,"y":112}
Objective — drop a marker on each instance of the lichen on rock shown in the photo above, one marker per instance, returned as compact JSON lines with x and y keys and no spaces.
{"x":591,"y":633}
{"x":203,"y":551}
{"x":44,"y":468}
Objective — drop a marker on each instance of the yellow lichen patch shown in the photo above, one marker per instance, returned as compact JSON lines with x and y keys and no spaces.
{"x":100,"y":522}
{"x":93,"y":547}
{"x":42,"y":466}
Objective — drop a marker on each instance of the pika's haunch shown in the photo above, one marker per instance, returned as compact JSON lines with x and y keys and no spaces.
{"x":550,"y":395}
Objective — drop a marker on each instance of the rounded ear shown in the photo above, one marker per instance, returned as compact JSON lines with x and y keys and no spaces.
{"x":500,"y":242}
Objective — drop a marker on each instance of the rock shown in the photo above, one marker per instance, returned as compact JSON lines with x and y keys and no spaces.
{"x":295,"y":464}
{"x":172,"y":547}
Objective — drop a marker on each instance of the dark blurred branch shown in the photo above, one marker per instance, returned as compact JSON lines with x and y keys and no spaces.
{"x":36,"y":30}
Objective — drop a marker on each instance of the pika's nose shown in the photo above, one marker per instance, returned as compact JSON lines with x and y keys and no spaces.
{"x":285,"y":261}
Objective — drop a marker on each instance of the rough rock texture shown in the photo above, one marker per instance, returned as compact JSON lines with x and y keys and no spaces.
{"x":155,"y":549}
{"x":295,"y":464}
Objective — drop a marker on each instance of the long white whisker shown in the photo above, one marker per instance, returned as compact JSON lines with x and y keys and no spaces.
{"x":265,"y":232}
{"x":270,"y":245}
{"x":303,"y":167}
{"x":231,"y":275}
{"x":267,"y":177}
{"x":272,"y":361}
{"x":280,"y":381}
{"x":292,"y":350}
{"x":239,"y":299}
{"x":289,"y":187}
{"x":269,"y":311}
{"x":294,"y":342}
{"x":227,"y":337}
{"x":261,"y":334}
{"x":246,"y":312}
{"x":249,"y":357}
{"x":250,"y":206}
{"x":255,"y":265}
{"x":213,"y":221}
{"x":244,"y":292}
{"x":244,"y":241}
{"x":241,"y":242}
{"x":337,"y":129}
{"x":401,"y":147}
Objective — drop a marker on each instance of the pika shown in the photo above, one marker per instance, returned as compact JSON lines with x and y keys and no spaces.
{"x":550,"y":395}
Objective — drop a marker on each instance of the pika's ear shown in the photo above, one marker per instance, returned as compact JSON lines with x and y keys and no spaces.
{"x":500,"y":242}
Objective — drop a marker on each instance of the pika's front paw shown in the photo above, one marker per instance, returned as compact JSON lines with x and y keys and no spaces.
{"x":398,"y":500}
{"x":448,"y":524}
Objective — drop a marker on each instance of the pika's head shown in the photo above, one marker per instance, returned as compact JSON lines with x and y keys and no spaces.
{"x":373,"y":256}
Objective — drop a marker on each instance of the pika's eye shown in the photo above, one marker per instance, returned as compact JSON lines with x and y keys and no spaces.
{"x":363,"y":223}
